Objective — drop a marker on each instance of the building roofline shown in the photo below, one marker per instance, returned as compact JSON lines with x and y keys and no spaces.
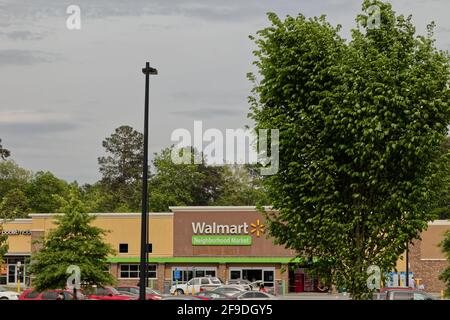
{"x":20,"y":221}
{"x":215,"y":208}
{"x":439,"y":223}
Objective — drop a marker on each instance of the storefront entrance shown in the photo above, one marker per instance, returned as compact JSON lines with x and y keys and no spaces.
{"x":11,"y":273}
{"x":267,"y":275}
{"x":182,"y":275}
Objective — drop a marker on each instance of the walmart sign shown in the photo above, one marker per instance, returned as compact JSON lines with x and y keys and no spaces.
{"x":225,"y":234}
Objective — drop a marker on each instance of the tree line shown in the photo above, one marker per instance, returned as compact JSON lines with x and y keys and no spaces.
{"x":119,"y":189}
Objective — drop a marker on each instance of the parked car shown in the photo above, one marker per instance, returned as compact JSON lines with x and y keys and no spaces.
{"x":31,"y":294}
{"x":150,"y":294}
{"x":229,"y":290}
{"x":214,"y":295}
{"x":385,"y":289}
{"x":182,"y":297}
{"x":408,"y":295}
{"x":254,"y":295}
{"x":5,"y":294}
{"x":107,"y":293}
{"x":244,"y":283}
{"x":197,"y":285}
{"x":379,"y":296}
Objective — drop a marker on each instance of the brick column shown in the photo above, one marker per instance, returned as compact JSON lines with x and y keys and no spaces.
{"x":160,"y":276}
{"x":426,"y":270}
{"x":222,"y":272}
{"x":113,"y":269}
{"x":284,"y":271}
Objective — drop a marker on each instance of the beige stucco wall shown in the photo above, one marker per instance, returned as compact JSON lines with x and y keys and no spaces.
{"x":125,"y":228}
{"x":18,"y":244}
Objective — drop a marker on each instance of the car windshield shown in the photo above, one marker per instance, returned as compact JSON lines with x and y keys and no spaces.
{"x":152,"y":291}
{"x":236,"y":294}
{"x":114,"y":291}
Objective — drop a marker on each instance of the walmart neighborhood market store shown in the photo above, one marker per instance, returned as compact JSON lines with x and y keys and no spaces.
{"x":227,"y":242}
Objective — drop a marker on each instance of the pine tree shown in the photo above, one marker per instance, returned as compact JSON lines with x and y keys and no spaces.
{"x":74,"y":241}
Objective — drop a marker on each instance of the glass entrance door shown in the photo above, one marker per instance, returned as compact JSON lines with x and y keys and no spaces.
{"x":13,"y":274}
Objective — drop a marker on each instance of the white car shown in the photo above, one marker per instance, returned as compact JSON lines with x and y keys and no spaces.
{"x":8,"y":295}
{"x":254,"y":295}
{"x":196,"y":285}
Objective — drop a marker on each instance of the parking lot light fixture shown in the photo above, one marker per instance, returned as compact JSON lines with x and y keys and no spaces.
{"x":144,"y":220}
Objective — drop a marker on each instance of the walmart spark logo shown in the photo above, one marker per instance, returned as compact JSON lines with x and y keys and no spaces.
{"x":258,"y":228}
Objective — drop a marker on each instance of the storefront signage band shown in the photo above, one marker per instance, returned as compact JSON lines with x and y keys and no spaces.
{"x":216,"y":240}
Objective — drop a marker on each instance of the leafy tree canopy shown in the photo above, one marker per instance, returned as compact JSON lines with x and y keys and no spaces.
{"x":45,"y":192}
{"x":361,"y":127}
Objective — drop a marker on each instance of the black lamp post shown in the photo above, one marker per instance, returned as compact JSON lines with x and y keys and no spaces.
{"x":144,"y":220}
{"x":407,"y":265}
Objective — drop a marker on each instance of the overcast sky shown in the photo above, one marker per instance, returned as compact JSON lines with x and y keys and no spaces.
{"x":62,"y":92}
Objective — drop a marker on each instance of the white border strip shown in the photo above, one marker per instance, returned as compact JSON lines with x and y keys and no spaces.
{"x":110,"y":215}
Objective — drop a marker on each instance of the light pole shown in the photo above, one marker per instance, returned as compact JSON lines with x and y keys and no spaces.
{"x":144,"y":221}
{"x":19,"y":264}
{"x":407,"y":265}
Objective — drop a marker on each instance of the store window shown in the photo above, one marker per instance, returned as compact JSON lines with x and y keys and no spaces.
{"x":182,"y":275}
{"x":131,"y":271}
{"x":266,"y":275}
{"x":123,"y":248}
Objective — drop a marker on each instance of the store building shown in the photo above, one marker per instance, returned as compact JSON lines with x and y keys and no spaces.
{"x":228,"y":242}
{"x":426,"y":259}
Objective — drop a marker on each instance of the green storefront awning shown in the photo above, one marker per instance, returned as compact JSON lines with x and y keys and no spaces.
{"x":208,"y":260}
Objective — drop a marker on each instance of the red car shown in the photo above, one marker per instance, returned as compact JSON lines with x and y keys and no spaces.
{"x":107,"y":293}
{"x":31,"y":294}
{"x":150,"y":294}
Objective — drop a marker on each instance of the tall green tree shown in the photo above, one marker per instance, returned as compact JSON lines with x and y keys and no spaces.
{"x":174,"y":184}
{"x":45,"y":192}
{"x":74,"y":241}
{"x":4,"y":153}
{"x":242,"y":187}
{"x":13,"y":177}
{"x":121,"y":168}
{"x":14,"y":205}
{"x":361,"y":126}
{"x":123,"y":163}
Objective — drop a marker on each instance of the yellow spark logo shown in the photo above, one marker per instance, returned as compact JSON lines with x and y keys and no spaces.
{"x":258,"y":228}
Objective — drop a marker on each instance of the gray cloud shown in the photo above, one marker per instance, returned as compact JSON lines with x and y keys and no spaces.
{"x":24,"y":57}
{"x":204,"y":113}
{"x":21,"y":35}
{"x":43,"y":128}
{"x":209,"y":10}
{"x":94,"y":84}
